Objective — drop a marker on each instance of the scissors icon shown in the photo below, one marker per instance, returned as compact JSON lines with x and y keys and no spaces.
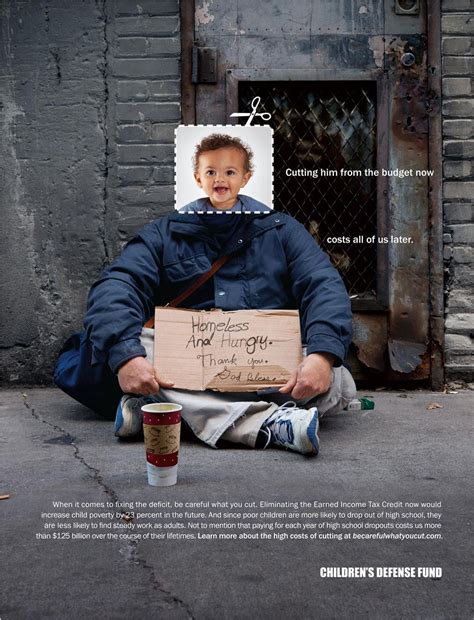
{"x":265,"y":116}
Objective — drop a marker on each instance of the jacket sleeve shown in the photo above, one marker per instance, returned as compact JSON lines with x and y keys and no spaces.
{"x":122,"y":299}
{"x":322,"y":299}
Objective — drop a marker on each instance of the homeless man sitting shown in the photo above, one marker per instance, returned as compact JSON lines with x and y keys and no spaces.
{"x":273,"y":263}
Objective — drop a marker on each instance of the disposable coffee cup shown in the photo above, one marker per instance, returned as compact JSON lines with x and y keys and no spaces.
{"x":161,"y":429}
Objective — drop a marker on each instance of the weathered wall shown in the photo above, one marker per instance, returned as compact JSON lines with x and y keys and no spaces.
{"x":85,"y":158}
{"x":458,"y":149}
{"x":53,"y":168}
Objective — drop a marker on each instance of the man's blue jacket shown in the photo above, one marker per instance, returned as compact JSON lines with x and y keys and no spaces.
{"x":274,"y":263}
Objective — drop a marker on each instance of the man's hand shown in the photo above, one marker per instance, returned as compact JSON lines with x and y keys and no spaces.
{"x":137,"y":376}
{"x":312,"y":377}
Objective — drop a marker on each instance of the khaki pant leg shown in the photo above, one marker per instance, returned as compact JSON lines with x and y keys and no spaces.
{"x":341,"y":392}
{"x":245,"y":429}
{"x":209,"y":414}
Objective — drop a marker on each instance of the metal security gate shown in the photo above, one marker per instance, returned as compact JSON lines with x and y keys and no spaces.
{"x":328,"y":128}
{"x":347,"y":93}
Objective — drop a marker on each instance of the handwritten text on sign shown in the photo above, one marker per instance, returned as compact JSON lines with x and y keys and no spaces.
{"x":239,"y":351}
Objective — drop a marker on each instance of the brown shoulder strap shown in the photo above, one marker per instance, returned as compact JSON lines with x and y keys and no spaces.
{"x":174,"y":303}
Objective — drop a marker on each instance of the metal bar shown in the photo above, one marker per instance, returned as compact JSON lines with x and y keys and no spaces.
{"x":304,"y":75}
{"x":231,"y":96}
{"x":382,"y":189}
{"x":435,"y":202}
{"x":188,"y":89}
{"x":409,"y":294}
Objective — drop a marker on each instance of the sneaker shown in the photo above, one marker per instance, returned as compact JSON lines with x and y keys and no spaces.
{"x":294,"y":428}
{"x":129,"y":417}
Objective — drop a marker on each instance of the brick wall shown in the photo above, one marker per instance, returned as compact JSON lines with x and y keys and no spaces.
{"x":458,"y":189}
{"x":145,"y":90}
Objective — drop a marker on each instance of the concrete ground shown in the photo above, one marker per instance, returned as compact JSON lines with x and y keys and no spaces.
{"x":52,"y":449}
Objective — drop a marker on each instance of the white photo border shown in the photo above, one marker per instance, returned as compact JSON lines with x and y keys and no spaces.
{"x":233,"y":130}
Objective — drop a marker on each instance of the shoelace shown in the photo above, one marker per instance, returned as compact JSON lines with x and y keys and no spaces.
{"x":290,"y":404}
{"x":285,"y":408}
{"x":281,"y":430}
{"x":268,"y":440}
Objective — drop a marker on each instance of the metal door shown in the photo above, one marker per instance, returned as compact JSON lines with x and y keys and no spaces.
{"x":346,"y":83}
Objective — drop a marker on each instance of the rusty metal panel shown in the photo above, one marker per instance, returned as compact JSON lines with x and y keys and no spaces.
{"x":323,"y":51}
{"x":408,"y":200}
{"x":435,"y":196}
{"x":303,"y":18}
{"x":374,"y":358}
{"x":291,"y":51}
{"x":405,"y":356}
{"x":370,"y":334}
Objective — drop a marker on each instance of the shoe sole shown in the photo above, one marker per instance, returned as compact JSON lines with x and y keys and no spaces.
{"x":125,"y":416}
{"x":312,"y":433}
{"x":119,"y":420}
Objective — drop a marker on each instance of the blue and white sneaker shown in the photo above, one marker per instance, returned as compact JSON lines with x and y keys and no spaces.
{"x":294,"y":428}
{"x":129,"y":417}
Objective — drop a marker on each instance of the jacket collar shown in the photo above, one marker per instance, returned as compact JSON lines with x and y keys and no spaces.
{"x":191,"y":225}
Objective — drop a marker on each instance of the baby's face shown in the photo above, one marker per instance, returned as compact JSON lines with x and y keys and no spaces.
{"x":221,"y":174}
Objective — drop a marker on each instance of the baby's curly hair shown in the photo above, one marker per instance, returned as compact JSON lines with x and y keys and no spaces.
{"x":219,"y":141}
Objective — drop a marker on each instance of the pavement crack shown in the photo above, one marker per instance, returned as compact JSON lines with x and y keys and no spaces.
{"x":94,"y":473}
{"x":130,"y":549}
{"x":157,"y":584}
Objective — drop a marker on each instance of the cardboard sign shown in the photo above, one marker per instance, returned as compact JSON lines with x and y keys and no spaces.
{"x":241,"y":351}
